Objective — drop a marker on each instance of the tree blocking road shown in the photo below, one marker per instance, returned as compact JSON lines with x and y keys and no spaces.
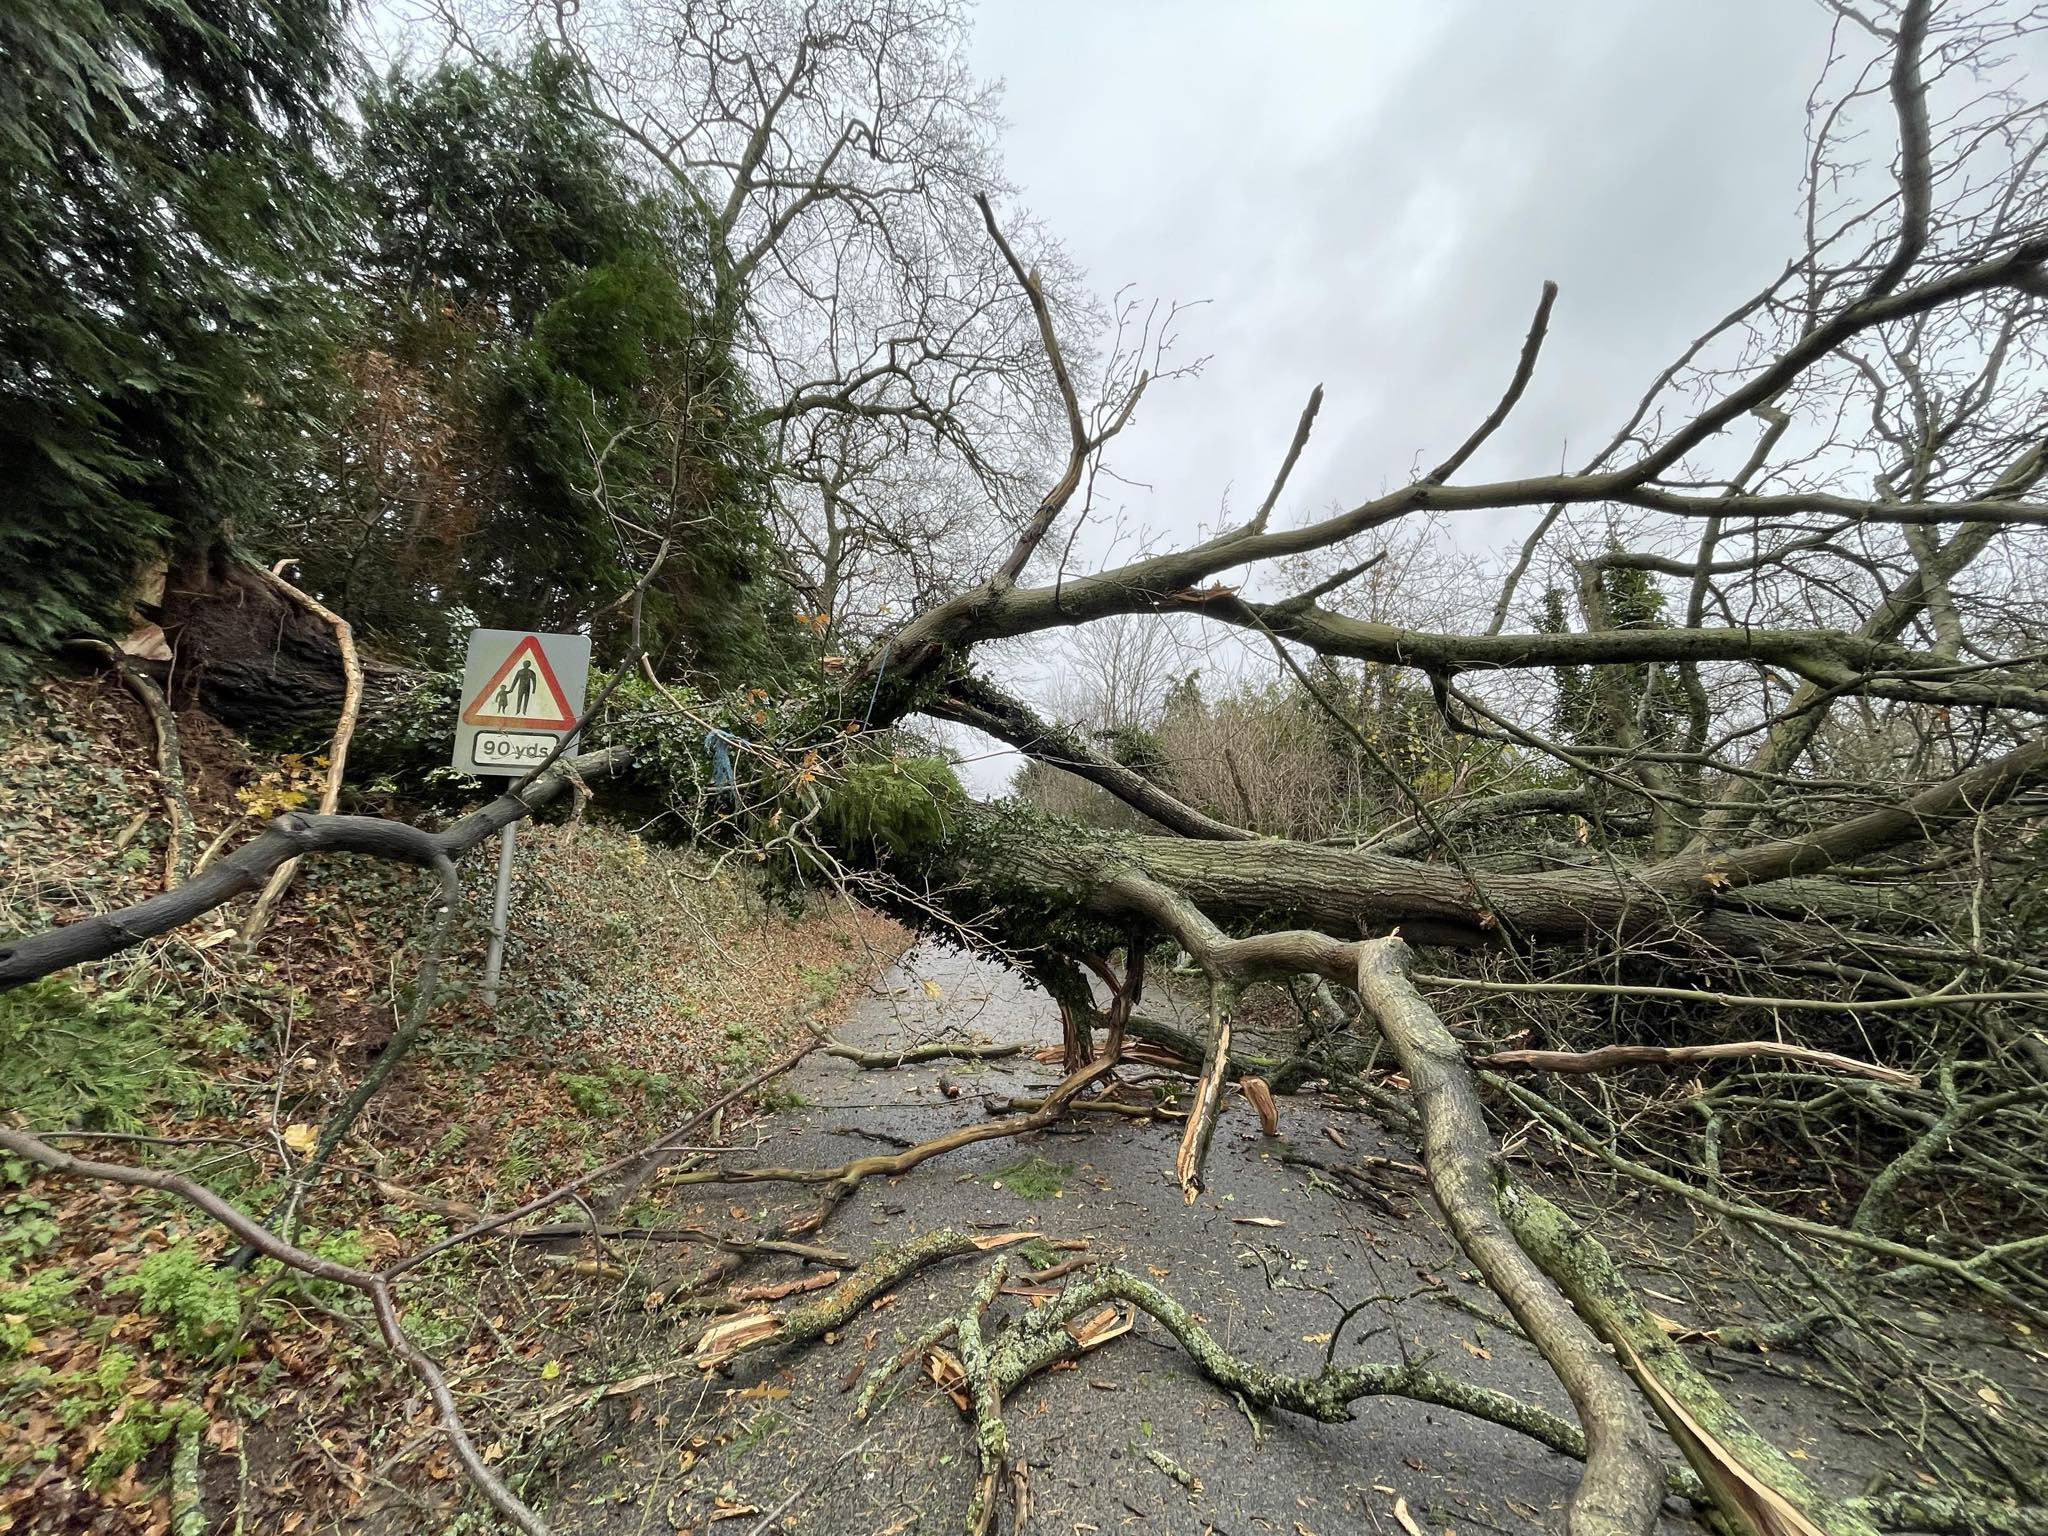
{"x":1813,"y":800}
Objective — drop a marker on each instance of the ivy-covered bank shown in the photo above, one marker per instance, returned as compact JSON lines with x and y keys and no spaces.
{"x":643,"y":979}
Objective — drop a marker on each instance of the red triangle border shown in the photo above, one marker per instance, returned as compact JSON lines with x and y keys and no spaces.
{"x":529,"y":646}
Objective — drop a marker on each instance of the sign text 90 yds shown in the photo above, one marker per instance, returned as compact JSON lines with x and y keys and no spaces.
{"x":512,"y":749}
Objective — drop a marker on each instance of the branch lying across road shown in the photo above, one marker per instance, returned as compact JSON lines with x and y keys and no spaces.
{"x":976,"y":702}
{"x":1734,"y":999}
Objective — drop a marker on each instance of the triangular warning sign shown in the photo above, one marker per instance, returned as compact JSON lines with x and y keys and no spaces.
{"x":522,"y":692}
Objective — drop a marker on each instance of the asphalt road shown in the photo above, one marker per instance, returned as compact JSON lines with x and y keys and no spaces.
{"x":1104,"y":1440}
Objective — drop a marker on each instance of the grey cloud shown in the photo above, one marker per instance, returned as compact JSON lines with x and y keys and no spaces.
{"x":1371,"y":196}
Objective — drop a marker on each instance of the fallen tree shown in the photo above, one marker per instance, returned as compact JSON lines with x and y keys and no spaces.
{"x":1805,"y":820}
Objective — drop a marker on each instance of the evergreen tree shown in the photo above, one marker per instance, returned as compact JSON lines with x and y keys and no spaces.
{"x":544,"y":403}
{"x":1603,"y":706}
{"x":165,"y":196}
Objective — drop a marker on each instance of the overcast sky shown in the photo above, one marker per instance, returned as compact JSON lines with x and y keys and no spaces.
{"x":1370,"y":195}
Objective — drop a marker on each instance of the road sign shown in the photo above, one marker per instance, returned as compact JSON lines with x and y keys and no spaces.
{"x":521,"y":692}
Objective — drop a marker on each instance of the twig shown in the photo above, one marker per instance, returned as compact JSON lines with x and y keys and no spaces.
{"x":1302,"y":428}
{"x":1735,"y":999}
{"x":553,"y":1197}
{"x":170,"y":762}
{"x":1524,"y":367}
{"x":808,"y":1485}
{"x":1611,"y":1058}
{"x":936,"y":1051}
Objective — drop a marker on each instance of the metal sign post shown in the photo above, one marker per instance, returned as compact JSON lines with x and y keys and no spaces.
{"x":501,"y":909}
{"x":521,"y":695}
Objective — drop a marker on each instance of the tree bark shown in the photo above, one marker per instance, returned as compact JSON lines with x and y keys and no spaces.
{"x":262,"y":663}
{"x":1622,"y":1488}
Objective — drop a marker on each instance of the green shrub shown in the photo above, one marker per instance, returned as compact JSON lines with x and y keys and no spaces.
{"x":139,"y":1428}
{"x":660,"y":1089}
{"x":199,"y":1302}
{"x":26,"y":1309}
{"x":26,"y":1229}
{"x":590,"y":1093}
{"x":74,"y":1059}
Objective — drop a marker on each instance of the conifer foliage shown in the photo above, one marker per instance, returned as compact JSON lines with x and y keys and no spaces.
{"x":165,"y":193}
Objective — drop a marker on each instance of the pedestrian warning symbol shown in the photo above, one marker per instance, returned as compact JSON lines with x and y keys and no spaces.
{"x":523,"y":691}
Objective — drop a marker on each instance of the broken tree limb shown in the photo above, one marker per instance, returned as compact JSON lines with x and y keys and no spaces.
{"x":985,"y":1393}
{"x":1201,"y":1126}
{"x":1046,"y":1336}
{"x":1617,"y":1058}
{"x":1952,"y":1515}
{"x":1755,"y":1487}
{"x":813,"y":1319}
{"x":936,"y":1051}
{"x":288,"y":837}
{"x":1101,"y":1106}
{"x":974,"y":701}
{"x":1621,"y":1490}
{"x":1043,"y":1339}
{"x":886,"y":1269}
{"x":1328,"y":1397}
{"x":337,"y":751}
{"x":1281,"y":1075}
{"x":1056,"y":1332}
{"x":846,"y":1177}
